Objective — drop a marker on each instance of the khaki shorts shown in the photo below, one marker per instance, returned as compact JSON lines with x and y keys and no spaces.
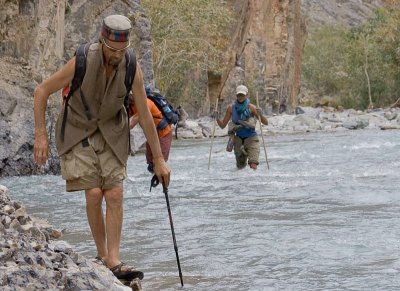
{"x":246,"y":150}
{"x":92,"y":164}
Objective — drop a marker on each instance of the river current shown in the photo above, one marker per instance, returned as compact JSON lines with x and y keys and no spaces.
{"x":325,"y":216}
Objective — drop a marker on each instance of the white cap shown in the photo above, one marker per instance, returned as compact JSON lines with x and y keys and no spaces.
{"x":242,"y":89}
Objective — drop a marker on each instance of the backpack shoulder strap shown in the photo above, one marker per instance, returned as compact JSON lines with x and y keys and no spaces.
{"x":79,"y":74}
{"x":80,"y":66}
{"x":130,"y":60}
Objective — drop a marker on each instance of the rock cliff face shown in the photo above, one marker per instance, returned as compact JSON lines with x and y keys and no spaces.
{"x":265,"y":53}
{"x":36,"y":38}
{"x":267,"y":44}
{"x":338,"y":12}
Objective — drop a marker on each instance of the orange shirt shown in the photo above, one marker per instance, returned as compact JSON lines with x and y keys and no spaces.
{"x":157,"y":116}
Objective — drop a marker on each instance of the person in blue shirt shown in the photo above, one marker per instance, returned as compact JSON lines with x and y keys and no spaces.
{"x":244,"y":116}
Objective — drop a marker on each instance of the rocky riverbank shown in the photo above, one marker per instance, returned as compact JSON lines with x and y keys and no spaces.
{"x":32,"y":257}
{"x":307,"y":119}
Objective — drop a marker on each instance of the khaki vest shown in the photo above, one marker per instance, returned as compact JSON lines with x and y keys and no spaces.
{"x":106,"y":105}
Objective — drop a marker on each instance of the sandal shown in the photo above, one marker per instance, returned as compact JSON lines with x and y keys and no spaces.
{"x":129,"y":274}
{"x":99,"y":260}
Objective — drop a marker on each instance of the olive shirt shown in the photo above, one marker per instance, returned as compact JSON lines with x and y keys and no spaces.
{"x":105,"y":100}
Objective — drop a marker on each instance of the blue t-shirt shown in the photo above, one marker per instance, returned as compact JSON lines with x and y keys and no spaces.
{"x":241,"y":111}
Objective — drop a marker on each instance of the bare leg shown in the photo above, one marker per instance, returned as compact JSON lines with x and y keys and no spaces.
{"x":114,"y":216}
{"x":94,"y":199}
{"x":253,"y":166}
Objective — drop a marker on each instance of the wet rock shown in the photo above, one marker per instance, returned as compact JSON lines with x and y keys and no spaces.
{"x":29,"y":259}
{"x":36,"y":233}
{"x":390,"y":115}
{"x":350,"y":124}
{"x":61,"y":247}
{"x":8,"y":209}
{"x":43,"y":260}
{"x":299,"y":110}
{"x":135,"y":285}
{"x":6,"y":221}
{"x":17,"y":205}
{"x":389,"y":126}
{"x":5,"y":254}
{"x":309,"y":122}
{"x":15,"y":225}
{"x":24,"y":220}
{"x":36,"y":246}
{"x":54,"y":233}
{"x":20,"y":212}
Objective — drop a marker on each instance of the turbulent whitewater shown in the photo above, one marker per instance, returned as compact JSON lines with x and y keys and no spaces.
{"x":325,"y":216}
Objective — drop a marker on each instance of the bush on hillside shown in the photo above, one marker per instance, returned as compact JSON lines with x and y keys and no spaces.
{"x":189,"y":38}
{"x":359,"y":65}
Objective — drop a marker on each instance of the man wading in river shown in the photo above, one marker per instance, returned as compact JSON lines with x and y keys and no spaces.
{"x":94,"y":150}
{"x":245,"y":140}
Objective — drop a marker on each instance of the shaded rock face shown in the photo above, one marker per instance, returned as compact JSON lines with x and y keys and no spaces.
{"x":338,"y":12}
{"x":36,"y":38}
{"x":32,"y":257}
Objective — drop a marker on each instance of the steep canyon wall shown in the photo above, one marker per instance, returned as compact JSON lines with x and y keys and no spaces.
{"x":265,"y":54}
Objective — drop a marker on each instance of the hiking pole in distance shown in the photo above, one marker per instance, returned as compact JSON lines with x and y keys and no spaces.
{"x":213,"y":133}
{"x":154,"y":183}
{"x":262,"y":136}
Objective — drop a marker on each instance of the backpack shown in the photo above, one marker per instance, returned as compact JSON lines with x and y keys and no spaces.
{"x":170,"y":115}
{"x":80,"y":70}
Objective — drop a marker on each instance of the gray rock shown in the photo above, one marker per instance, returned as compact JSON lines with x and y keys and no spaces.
{"x":20,"y":212}
{"x":390,"y":115}
{"x":8,"y":209}
{"x":15,"y":225}
{"x":307,"y":121}
{"x":36,"y":233}
{"x":350,"y":124}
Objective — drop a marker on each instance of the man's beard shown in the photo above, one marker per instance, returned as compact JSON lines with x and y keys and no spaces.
{"x":114,"y":61}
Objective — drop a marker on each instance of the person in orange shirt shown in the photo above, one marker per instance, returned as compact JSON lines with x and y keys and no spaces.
{"x":164,"y":132}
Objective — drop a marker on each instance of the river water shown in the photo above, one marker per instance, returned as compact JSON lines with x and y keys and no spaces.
{"x":325,"y":216}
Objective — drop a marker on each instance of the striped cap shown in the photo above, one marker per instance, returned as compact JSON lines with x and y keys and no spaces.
{"x":116,"y":28}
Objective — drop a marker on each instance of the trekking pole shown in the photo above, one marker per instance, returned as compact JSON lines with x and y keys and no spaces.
{"x":213,"y":133}
{"x":261,"y":131}
{"x":154,"y":183}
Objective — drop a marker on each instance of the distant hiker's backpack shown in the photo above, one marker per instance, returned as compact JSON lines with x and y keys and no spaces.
{"x":80,"y":70}
{"x":170,"y":115}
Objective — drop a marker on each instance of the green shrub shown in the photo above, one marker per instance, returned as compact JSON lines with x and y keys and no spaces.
{"x":335,"y":61}
{"x":189,"y":38}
